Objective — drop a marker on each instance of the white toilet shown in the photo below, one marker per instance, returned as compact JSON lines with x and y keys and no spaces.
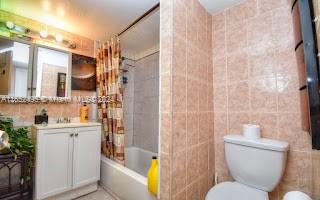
{"x":256,"y":165}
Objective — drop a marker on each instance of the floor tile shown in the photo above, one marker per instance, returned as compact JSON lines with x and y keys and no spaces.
{"x":100,"y":194}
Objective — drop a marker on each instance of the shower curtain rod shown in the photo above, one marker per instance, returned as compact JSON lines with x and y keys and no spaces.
{"x":155,"y":7}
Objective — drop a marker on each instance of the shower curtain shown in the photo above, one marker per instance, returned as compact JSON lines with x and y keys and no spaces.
{"x":110,"y":113}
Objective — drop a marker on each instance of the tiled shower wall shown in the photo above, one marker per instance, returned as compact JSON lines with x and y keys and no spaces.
{"x":141,"y":100}
{"x":187,"y":154}
{"x":256,"y":81}
{"x":146,"y":103}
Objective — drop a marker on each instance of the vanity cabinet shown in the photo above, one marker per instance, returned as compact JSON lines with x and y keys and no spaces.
{"x":67,"y":159}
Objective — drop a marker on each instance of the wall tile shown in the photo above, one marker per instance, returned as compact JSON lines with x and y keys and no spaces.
{"x":192,"y":128}
{"x":192,"y":164}
{"x":192,"y":36}
{"x":179,"y":170}
{"x":203,"y":164}
{"x":181,"y":196}
{"x":179,"y":94}
{"x":258,"y":42}
{"x":287,"y":64}
{"x":179,"y":19}
{"x":166,"y":92}
{"x":203,"y":127}
{"x":219,"y":71}
{"x":193,"y":88}
{"x":236,"y":37}
{"x":192,"y":63}
{"x":269,"y":5}
{"x":219,"y":21}
{"x":263,"y":64}
{"x":236,"y":120}
{"x":238,"y":96}
{"x":268,"y":123}
{"x":288,"y":94}
{"x":179,"y":56}
{"x":237,"y":14}
{"x":179,"y":137}
{"x":203,"y":186}
{"x":218,"y":43}
{"x":203,"y":97}
{"x":252,"y":8}
{"x":193,"y":191}
{"x":165,"y":183}
{"x":165,"y":132}
{"x":290,"y":130}
{"x":237,"y":67}
{"x":262,"y":89}
{"x":282,"y":28}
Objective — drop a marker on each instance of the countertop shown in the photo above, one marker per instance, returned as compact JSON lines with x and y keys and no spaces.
{"x":65,"y":125}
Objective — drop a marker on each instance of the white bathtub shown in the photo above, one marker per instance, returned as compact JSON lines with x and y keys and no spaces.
{"x":130,"y":182}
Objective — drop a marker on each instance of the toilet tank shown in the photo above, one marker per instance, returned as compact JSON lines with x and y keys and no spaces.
{"x":259,"y":163}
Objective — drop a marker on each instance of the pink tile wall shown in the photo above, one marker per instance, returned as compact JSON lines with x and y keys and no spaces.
{"x":187,"y":153}
{"x":26,"y":112}
{"x":256,"y":81}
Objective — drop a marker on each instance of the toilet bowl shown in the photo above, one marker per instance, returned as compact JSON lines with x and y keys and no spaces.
{"x":256,"y":165}
{"x":296,"y":195}
{"x":235,"y":191}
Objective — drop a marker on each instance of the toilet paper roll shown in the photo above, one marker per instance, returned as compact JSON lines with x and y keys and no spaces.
{"x":251,"y":131}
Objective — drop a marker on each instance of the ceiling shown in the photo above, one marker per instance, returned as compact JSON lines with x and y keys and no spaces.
{"x":95,"y":19}
{"x":102,"y":19}
{"x":142,"y":37}
{"x":214,"y":6}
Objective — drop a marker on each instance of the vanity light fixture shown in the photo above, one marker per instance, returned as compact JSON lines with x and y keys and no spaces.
{"x":10,"y":25}
{"x":44,"y":33}
{"x":10,"y":29}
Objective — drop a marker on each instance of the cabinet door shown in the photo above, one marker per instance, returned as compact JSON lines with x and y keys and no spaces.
{"x":54,"y":162}
{"x":86,"y":157}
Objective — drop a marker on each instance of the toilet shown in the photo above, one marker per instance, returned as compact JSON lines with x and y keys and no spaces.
{"x":256,"y":165}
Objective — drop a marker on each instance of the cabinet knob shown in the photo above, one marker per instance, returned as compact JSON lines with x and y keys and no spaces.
{"x":71,"y":135}
{"x":77,"y":134}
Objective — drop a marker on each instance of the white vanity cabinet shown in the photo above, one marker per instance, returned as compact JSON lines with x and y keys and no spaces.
{"x":67,"y":160}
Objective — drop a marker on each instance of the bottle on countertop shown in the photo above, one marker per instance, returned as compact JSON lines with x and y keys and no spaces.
{"x":84,"y":113}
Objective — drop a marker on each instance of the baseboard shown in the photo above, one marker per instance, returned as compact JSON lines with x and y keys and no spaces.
{"x":75,"y":193}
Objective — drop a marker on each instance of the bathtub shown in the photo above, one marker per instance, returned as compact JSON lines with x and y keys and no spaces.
{"x":130,"y":182}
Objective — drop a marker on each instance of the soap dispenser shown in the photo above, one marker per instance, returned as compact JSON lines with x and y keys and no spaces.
{"x":84,"y":113}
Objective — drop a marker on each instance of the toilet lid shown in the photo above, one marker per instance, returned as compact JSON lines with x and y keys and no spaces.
{"x":235,"y":191}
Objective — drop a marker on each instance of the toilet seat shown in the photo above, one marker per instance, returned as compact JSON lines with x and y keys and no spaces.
{"x":235,"y":191}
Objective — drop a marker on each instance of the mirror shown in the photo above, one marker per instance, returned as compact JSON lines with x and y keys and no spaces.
{"x":15,"y":68}
{"x":52,"y":73}
{"x":28,"y":69}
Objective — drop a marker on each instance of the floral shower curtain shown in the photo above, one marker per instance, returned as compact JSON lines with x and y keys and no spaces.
{"x":109,"y":85}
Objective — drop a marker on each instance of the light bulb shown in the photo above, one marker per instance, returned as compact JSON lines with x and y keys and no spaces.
{"x":60,"y":12}
{"x":59,"y":38}
{"x":10,"y":25}
{"x":44,"y":33}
